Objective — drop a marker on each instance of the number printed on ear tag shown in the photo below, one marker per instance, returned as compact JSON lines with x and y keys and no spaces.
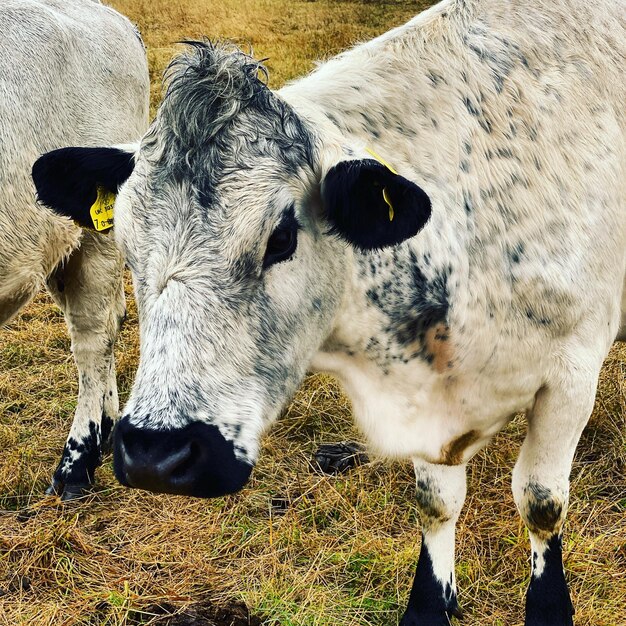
{"x":102,"y":210}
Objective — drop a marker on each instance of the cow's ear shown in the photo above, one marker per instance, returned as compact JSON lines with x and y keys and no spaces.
{"x":81,"y":183}
{"x":370,"y":206}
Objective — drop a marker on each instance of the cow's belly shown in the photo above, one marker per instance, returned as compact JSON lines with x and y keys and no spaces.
{"x":418,"y":413}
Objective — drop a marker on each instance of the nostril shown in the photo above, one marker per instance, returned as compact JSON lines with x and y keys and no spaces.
{"x":130,"y":447}
{"x":184,"y":463}
{"x":130,"y":439}
{"x":195,"y":460}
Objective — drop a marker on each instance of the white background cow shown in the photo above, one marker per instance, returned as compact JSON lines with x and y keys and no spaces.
{"x":474,"y":269}
{"x":72,"y":71}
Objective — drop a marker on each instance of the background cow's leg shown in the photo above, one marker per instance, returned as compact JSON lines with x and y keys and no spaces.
{"x":541,"y":490}
{"x":441,"y":492}
{"x":89,"y":289}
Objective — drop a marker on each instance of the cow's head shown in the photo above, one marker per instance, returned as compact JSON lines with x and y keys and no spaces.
{"x":236,"y":217}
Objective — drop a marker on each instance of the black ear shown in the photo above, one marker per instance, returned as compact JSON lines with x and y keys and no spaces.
{"x":67,"y":180}
{"x":370,"y":206}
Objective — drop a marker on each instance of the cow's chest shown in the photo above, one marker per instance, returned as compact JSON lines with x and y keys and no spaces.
{"x":413,"y":410}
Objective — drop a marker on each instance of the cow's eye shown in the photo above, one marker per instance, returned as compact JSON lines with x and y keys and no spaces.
{"x":282,"y":244}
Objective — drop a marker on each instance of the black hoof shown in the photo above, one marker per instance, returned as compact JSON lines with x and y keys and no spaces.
{"x":55,"y":488}
{"x":74,"y":492}
{"x":336,"y":458}
{"x":551,"y":617}
{"x":68,"y":491}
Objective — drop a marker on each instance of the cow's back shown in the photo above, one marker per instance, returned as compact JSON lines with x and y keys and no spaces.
{"x":510,"y":114}
{"x":71,"y":73}
{"x":589,"y":33}
{"x":547,"y":172}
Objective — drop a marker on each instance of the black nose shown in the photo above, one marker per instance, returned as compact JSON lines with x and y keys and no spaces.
{"x":193,"y":461}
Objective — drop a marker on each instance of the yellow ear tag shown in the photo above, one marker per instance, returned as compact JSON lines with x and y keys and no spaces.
{"x":102,"y":210}
{"x":381,"y":160}
{"x":393,"y":171}
{"x":388,"y":201}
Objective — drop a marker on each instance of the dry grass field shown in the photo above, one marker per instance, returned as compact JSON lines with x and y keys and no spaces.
{"x":299,"y":549}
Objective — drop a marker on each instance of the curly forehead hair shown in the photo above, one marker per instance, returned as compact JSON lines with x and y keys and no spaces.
{"x":209,"y":87}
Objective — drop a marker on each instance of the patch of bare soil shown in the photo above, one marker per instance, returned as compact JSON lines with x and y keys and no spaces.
{"x":203,"y":613}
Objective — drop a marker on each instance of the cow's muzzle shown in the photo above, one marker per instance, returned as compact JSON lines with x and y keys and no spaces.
{"x":193,"y":461}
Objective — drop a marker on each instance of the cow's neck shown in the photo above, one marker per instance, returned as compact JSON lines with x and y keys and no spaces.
{"x":403,"y":343}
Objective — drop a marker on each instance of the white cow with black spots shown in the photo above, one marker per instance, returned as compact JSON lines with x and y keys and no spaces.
{"x":70,"y":72}
{"x":438,"y":217}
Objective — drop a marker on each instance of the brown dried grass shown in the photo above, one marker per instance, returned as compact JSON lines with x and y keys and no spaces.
{"x":344,"y":550}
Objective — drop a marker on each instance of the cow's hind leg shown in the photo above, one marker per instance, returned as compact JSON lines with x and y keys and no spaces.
{"x":541,"y":488}
{"x":441,"y":492}
{"x":88,"y":287}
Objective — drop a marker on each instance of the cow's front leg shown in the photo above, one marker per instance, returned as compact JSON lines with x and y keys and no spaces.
{"x":89,"y":290}
{"x":441,"y":492}
{"x":541,"y":491}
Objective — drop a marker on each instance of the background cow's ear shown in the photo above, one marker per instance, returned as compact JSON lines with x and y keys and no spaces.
{"x":70,"y":180}
{"x":370,"y":206}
